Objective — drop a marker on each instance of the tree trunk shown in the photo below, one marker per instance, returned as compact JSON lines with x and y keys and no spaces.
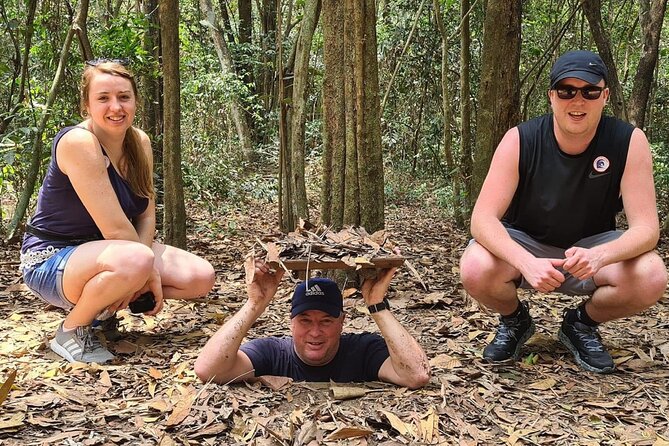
{"x":237,"y":112}
{"x":286,"y":216}
{"x":499,"y":95}
{"x":14,"y":106}
{"x":334,"y":115}
{"x":351,"y":192}
{"x":225,"y":17}
{"x":447,"y":108}
{"x":368,"y":114}
{"x":36,"y":158}
{"x":298,"y":118}
{"x":651,"y":18}
{"x":465,"y":171}
{"x":352,"y":123}
{"x":265,"y":84}
{"x":245,"y":36}
{"x":82,"y":35}
{"x":592,"y":9}
{"x":174,"y":216}
{"x":152,"y":97}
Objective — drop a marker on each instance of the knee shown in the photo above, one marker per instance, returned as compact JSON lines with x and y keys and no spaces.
{"x":650,"y":280}
{"x":475,"y":273}
{"x":203,"y":278}
{"x":654,"y":279}
{"x":135,"y":262}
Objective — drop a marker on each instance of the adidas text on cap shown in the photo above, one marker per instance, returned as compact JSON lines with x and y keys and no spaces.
{"x":318,"y":293}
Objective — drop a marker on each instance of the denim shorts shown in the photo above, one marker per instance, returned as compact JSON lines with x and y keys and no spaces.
{"x":46,"y":279}
{"x":571,"y":284}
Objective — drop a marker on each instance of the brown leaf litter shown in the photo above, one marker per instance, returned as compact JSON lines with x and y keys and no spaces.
{"x":152,"y":397}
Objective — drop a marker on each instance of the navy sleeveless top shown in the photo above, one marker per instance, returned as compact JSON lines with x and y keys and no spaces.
{"x":60,"y":211}
{"x":563,"y":198}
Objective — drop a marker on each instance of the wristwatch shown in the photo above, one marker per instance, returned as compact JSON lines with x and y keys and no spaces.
{"x":383,"y":305}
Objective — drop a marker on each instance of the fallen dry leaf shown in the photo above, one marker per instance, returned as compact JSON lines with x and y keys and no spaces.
{"x":349,"y":432}
{"x":7,"y":386}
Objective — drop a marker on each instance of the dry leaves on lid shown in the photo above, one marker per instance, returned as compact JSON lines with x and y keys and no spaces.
{"x":311,"y":247}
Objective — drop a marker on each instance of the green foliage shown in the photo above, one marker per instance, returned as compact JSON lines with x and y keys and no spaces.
{"x":531,"y":359}
{"x":661,"y":171}
{"x":412,"y":120}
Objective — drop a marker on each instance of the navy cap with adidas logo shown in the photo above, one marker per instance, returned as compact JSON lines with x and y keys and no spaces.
{"x":318,"y":293}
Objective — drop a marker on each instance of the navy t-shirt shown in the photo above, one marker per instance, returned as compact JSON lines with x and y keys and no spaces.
{"x":359,"y":358}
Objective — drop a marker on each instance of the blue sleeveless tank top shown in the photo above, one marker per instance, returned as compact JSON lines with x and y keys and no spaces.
{"x":563,"y":198}
{"x":60,"y":211}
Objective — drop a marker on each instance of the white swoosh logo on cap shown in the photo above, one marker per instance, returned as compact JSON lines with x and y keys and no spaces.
{"x":592,"y":64}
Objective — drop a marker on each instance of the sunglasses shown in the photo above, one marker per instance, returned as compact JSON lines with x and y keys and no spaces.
{"x":589,"y":92}
{"x":100,"y":60}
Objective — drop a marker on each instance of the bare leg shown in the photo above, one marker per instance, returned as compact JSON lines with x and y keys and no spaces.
{"x":183,"y":274}
{"x":627,"y":288}
{"x":489,"y":280}
{"x":104,"y":273}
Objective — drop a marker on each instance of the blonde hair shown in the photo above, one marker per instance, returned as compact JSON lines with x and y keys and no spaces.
{"x":138,"y":171}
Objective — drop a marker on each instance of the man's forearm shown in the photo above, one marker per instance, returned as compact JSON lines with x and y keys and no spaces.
{"x":494,"y":237}
{"x":219,"y":355}
{"x":407,"y":356}
{"x":632,"y":243}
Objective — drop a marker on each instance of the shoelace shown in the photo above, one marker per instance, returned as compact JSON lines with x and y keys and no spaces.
{"x":91,"y":342}
{"x":506,"y":332}
{"x":589,"y":336}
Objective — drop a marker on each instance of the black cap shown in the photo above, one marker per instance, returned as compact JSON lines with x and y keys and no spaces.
{"x":584,"y":65}
{"x":319,"y":293}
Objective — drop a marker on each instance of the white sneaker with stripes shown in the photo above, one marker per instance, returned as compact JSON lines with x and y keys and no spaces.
{"x":80,"y":345}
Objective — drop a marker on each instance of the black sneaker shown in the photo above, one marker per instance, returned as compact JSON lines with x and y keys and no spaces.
{"x":512,"y":333}
{"x":586,"y":345}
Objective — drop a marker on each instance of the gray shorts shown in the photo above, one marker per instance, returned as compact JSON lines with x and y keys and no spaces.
{"x":571,"y":285}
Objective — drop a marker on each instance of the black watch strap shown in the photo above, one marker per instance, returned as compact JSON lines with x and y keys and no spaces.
{"x":383,"y":305}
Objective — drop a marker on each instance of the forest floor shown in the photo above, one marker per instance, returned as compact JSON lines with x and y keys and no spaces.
{"x":151,"y":395}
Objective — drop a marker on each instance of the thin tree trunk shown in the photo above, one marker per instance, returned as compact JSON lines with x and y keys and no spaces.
{"x":651,"y":18}
{"x":298,"y":118}
{"x":447,"y":107}
{"x":464,"y":172}
{"x":351,"y":212}
{"x":245,"y":35}
{"x":36,"y":158}
{"x":334,"y":115}
{"x":370,"y":155}
{"x":404,"y":49}
{"x":592,"y":10}
{"x":174,"y":216}
{"x":13,"y":109}
{"x":243,"y":131}
{"x":286,"y":217}
{"x":82,"y":35}
{"x":152,"y":95}
{"x":499,"y":92}
{"x":225,"y":17}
